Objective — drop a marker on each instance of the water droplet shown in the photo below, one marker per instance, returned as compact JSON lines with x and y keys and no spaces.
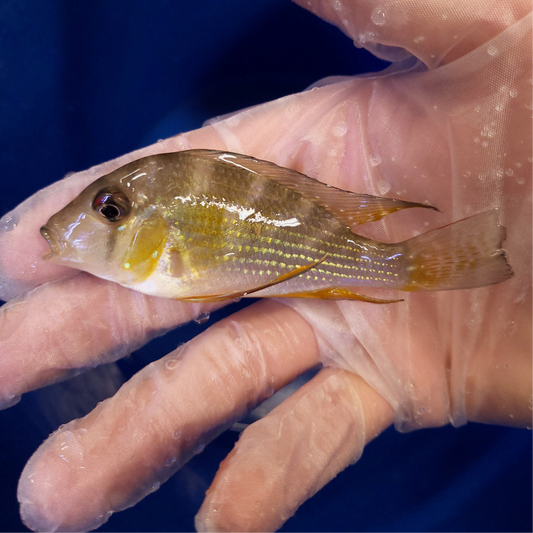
{"x":170,"y":461}
{"x":529,"y":106}
{"x":9,"y":400}
{"x":379,"y":17}
{"x":484,"y":144}
{"x":492,"y":51}
{"x":393,"y":158}
{"x":171,"y":363}
{"x":426,"y":223}
{"x":520,"y":181}
{"x":340,"y":130}
{"x":155,"y":486}
{"x":509,"y":172}
{"x":364,"y":37}
{"x":476,"y":139}
{"x":200,"y":448}
{"x":177,"y":434}
{"x":421,"y":410}
{"x":419,"y":39}
{"x":9,"y":222}
{"x":467,"y":174}
{"x":375,"y":160}
{"x":499,"y":107}
{"x":202,"y":318}
{"x":513,"y":93}
{"x":499,"y":173}
{"x":384,"y":186}
{"x":518,"y":164}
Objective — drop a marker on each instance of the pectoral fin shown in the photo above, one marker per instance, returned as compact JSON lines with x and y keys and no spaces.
{"x":338,"y":293}
{"x":240,"y":294}
{"x":145,"y":248}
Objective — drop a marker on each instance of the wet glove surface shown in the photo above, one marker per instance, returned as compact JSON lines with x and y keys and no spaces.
{"x":457,"y":134}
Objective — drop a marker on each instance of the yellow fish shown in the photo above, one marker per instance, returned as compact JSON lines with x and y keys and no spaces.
{"x":204,"y":225}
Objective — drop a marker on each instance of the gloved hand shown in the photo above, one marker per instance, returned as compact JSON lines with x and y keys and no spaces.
{"x":453,"y":128}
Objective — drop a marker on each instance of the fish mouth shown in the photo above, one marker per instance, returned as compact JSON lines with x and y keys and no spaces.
{"x":52,"y":238}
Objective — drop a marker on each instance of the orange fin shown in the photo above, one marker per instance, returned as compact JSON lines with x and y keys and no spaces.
{"x":145,"y":248}
{"x":352,"y":208}
{"x":462,"y":255}
{"x":241,"y":294}
{"x":338,"y":293}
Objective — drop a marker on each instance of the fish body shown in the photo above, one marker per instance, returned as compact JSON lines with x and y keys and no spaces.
{"x":209,"y":225}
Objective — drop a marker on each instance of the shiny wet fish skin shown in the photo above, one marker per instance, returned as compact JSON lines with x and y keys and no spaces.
{"x":208,"y":225}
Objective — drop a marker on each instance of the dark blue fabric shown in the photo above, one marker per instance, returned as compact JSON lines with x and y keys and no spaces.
{"x":85,"y":81}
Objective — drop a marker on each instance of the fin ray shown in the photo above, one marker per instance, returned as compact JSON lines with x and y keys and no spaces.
{"x":352,"y":208}
{"x":462,"y":255}
{"x":337,"y":293}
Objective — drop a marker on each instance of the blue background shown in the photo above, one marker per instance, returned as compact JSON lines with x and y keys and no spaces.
{"x":82,"y":82}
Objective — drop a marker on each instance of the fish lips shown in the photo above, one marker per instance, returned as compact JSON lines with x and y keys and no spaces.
{"x":53,"y":240}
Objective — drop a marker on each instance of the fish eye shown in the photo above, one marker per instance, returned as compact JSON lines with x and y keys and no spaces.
{"x":112,"y":205}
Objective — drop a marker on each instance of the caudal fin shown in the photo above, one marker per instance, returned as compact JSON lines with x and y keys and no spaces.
{"x":462,"y":255}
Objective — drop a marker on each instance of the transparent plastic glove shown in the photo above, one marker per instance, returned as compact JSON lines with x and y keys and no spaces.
{"x":458,"y":136}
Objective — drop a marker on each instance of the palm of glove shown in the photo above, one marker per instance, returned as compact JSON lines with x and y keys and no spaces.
{"x":458,"y":136}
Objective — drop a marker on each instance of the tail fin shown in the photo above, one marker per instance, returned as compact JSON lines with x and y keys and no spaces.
{"x":462,"y":255}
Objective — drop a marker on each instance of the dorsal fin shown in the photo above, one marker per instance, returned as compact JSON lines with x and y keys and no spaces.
{"x":352,"y":208}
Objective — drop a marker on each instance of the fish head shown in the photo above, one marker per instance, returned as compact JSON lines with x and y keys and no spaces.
{"x":112,"y":229}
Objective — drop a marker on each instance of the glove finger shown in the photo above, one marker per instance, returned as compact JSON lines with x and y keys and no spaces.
{"x":498,"y":386}
{"x":286,"y":457}
{"x":61,"y":328}
{"x":129,"y":444}
{"x":435,"y":32}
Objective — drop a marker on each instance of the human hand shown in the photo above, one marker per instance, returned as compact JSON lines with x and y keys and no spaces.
{"x":360,"y":135}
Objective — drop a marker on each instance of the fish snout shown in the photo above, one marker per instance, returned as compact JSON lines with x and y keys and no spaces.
{"x":53,"y":240}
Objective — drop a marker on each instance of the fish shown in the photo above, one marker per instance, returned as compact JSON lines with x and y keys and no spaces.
{"x":206,"y":225}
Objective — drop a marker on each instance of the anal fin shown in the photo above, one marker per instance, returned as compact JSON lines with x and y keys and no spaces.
{"x":337,"y":293}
